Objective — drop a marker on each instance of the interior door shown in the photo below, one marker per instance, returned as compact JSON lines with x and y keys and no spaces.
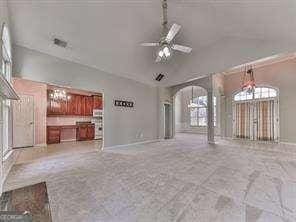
{"x":23,"y":121}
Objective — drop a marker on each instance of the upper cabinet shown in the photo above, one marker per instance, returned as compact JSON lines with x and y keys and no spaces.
{"x":55,"y":107}
{"x":89,"y":106}
{"x":98,"y":102}
{"x":76,"y":105}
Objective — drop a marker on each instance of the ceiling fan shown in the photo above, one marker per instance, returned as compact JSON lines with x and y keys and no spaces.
{"x":166,"y":43}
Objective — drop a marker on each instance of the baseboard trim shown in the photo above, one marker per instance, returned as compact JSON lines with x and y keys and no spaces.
{"x":70,"y":140}
{"x":288,"y":143}
{"x":41,"y":145}
{"x":131,"y":144}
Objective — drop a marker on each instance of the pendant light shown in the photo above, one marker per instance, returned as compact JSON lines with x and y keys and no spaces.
{"x":248,"y":82}
{"x":58,"y":94}
{"x":192,"y":104}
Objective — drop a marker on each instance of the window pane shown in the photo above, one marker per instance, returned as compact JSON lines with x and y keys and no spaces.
{"x":249,"y":96}
{"x":257,"y":95}
{"x":272,"y":93}
{"x":193,"y":122}
{"x":202,"y":112}
{"x":193,"y":117}
{"x":237,"y":97}
{"x":202,"y":121}
{"x":202,"y":100}
{"x":195,"y":100}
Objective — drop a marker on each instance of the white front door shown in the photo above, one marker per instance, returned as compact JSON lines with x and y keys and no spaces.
{"x":23,"y":121}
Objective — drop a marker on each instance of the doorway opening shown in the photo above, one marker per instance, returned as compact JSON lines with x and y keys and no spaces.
{"x":56,"y":120}
{"x":191,"y":111}
{"x":256,"y":114}
{"x":168,"y":120}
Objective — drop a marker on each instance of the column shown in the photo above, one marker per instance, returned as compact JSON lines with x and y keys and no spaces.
{"x":210,"y":118}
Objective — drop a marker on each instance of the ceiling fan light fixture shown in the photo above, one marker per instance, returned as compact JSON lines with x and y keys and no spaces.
{"x":166,"y":52}
{"x":160,"y":53}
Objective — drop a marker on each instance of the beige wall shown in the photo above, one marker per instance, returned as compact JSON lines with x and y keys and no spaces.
{"x":281,"y":75}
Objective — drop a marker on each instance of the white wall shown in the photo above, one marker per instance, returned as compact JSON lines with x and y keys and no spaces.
{"x":122,"y":125}
{"x":280,"y":75}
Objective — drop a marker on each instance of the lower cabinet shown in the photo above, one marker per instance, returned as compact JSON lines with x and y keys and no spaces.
{"x":85,"y":132}
{"x":53,"y":134}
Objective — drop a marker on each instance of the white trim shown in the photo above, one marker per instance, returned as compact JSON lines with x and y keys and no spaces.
{"x":132,"y":144}
{"x":7,"y":154}
{"x":69,"y":140}
{"x":287,"y":143}
{"x":40,"y":145}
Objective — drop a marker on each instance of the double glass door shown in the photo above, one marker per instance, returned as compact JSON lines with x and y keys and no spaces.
{"x":256,"y":120}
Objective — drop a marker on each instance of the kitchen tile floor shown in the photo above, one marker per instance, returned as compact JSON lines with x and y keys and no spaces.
{"x":183,"y":179}
{"x":31,"y":154}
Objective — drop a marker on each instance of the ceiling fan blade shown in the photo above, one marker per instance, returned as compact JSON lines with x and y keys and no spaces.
{"x":150,"y":44}
{"x":173,"y":32}
{"x":158,"y":59}
{"x":182,"y":48}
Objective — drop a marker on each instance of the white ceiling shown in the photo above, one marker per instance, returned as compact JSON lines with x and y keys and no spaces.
{"x":106,"y":34}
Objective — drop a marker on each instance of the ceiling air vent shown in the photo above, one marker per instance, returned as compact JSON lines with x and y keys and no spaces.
{"x":159,"y":77}
{"x":60,"y":43}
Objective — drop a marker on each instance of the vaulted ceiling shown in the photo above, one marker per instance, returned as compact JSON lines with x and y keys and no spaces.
{"x":106,"y":34}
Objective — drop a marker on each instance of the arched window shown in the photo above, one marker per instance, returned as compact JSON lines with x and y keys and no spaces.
{"x":259,"y":93}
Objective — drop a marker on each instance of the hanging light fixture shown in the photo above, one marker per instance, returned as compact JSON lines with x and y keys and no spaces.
{"x":248,"y":83}
{"x":58,"y":94}
{"x":192,"y":104}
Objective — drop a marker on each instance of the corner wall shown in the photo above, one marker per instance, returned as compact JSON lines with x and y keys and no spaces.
{"x":121,"y":125}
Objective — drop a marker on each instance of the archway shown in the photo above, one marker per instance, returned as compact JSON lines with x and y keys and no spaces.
{"x":190,"y":105}
{"x":206,"y":101}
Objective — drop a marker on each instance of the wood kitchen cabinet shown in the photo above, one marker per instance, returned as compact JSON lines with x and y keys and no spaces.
{"x":72,"y":105}
{"x":85,"y":132}
{"x":98,"y":102}
{"x":55,"y":107}
{"x":88,"y":108}
{"x":76,"y":105}
{"x":53,"y":134}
